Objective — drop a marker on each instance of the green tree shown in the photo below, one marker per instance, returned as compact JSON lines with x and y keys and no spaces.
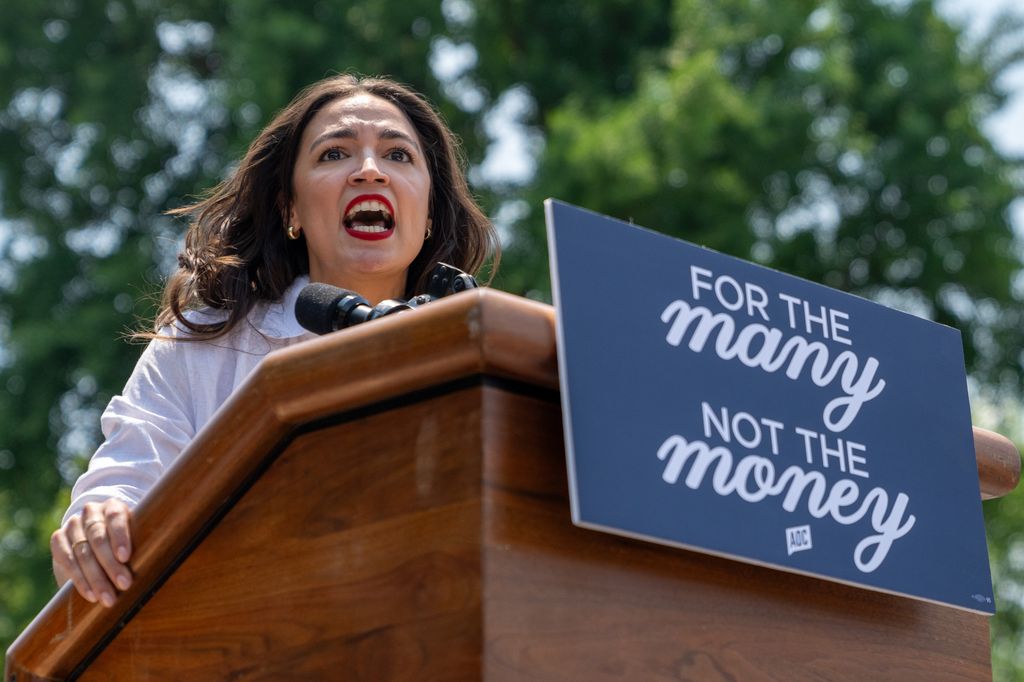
{"x":113,"y":113}
{"x":839,"y":141}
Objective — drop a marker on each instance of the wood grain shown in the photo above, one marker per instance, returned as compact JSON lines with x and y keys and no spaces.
{"x":998,"y":463}
{"x":355,"y":556}
{"x":330,"y":375}
{"x":565,"y":603}
{"x":477,"y":333}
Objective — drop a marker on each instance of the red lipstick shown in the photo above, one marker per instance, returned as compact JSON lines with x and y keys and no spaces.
{"x":377,"y":232}
{"x":371,"y":197}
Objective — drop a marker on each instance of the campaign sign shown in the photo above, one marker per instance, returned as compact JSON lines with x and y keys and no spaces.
{"x":726,"y":408}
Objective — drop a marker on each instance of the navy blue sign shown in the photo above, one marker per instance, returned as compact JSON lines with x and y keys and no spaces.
{"x":723,"y":407}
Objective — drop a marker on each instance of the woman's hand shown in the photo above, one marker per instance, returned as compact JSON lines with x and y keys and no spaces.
{"x":92,"y":548}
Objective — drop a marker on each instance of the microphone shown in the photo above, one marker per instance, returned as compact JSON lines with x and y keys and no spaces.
{"x":322,"y":308}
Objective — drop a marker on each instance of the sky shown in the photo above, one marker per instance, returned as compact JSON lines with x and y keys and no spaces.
{"x":1006,"y":127}
{"x":509,"y":161}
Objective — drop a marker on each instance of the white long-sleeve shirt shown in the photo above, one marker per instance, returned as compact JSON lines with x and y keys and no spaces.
{"x":175,"y":389}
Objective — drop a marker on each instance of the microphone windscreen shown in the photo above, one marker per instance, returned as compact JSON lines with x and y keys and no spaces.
{"x":316,"y":307}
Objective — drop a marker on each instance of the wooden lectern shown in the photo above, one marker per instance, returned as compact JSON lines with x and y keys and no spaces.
{"x":390,"y":503}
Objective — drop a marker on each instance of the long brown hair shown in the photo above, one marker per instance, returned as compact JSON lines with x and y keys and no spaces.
{"x":236,"y":252}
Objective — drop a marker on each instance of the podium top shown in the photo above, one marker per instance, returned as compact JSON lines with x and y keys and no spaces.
{"x":477,"y":334}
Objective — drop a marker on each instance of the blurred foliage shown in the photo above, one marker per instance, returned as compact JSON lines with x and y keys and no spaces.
{"x":114,"y":112}
{"x":1003,"y":519}
{"x":837,"y":140}
{"x":880,"y":181}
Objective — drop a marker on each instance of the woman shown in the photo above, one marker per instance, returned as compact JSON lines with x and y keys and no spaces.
{"x":356,"y":183}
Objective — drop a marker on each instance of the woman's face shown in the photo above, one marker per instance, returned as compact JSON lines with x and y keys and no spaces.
{"x":361,"y":195}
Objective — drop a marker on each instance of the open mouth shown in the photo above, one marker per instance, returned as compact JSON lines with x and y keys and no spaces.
{"x":369,"y":217}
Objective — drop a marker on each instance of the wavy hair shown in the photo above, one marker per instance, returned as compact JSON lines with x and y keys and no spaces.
{"x":236,"y":252}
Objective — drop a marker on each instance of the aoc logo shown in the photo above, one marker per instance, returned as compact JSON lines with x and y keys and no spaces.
{"x":798,"y":538}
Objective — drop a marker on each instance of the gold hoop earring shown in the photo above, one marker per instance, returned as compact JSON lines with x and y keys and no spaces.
{"x":293,"y":232}
{"x":430,"y":224}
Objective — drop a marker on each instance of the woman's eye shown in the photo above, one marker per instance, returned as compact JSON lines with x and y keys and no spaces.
{"x":332,"y":154}
{"x":399,"y":154}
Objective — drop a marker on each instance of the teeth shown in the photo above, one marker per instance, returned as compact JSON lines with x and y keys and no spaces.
{"x":370,"y":205}
{"x":357,"y":227}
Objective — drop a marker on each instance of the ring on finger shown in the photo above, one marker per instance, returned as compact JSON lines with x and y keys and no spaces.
{"x":74,"y":547}
{"x":92,"y":523}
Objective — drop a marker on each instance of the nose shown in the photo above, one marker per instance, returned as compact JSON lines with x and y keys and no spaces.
{"x":369,"y":172}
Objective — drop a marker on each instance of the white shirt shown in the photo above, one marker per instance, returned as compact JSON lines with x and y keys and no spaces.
{"x":175,"y":389}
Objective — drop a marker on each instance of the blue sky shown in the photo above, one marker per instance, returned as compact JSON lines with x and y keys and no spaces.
{"x":1006,"y":127}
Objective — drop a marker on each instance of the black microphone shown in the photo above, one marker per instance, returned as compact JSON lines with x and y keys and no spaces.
{"x":322,"y":308}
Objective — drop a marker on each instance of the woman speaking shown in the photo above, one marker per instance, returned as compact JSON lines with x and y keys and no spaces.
{"x":357,"y":183}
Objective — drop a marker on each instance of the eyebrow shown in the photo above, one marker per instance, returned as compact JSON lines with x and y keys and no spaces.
{"x":350,"y":134}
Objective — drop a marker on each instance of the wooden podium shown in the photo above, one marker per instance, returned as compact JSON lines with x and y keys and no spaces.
{"x":390,"y":503}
